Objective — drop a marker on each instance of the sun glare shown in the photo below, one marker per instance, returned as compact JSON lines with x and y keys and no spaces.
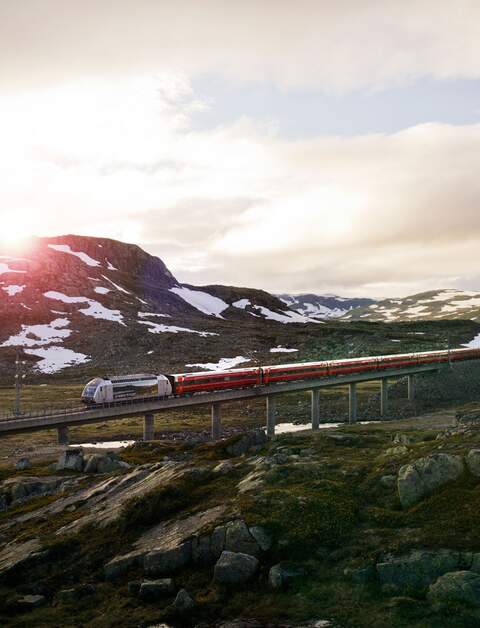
{"x":16,"y":231}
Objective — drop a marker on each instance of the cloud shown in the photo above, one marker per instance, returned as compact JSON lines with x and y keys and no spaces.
{"x":381,"y":214}
{"x":339,"y":45}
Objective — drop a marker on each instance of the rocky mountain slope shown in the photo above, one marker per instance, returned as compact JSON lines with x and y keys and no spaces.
{"x":75,"y":300}
{"x":365,"y":526}
{"x":432,"y":305}
{"x":322,"y":306}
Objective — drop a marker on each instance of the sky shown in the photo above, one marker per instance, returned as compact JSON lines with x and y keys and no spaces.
{"x":303,"y":146}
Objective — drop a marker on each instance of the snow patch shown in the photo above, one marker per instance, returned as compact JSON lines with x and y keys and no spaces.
{"x":241,"y":304}
{"x":65,"y":248}
{"x":36,"y":335}
{"x":94,"y":309}
{"x":13,"y":290}
{"x":473,"y":344}
{"x":5,"y":268}
{"x":222,"y":365}
{"x":101,"y":290}
{"x":202,"y":301}
{"x":110,"y":266}
{"x":281,"y":349}
{"x":157,"y":328}
{"x":116,"y":285}
{"x":55,"y":359}
{"x":285,"y":317}
{"x":147,"y":314}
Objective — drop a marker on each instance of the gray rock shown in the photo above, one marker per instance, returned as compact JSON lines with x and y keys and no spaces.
{"x":235,"y":568}
{"x":155,"y":589}
{"x":167,"y":561}
{"x":3,"y":502}
{"x":418,"y":569}
{"x":247,"y":441}
{"x":262,"y":538}
{"x":31,"y":601}
{"x":183,"y":602}
{"x":239,"y":539}
{"x":280,"y":458}
{"x":456,"y":586}
{"x":217,"y":541}
{"x":201,"y":550}
{"x":282,"y":574}
{"x":23,"y":463}
{"x":425,"y":475}
{"x":473,"y":462}
{"x":122,"y":564}
{"x":101,"y":463}
{"x":71,"y":459}
{"x":402,"y":439}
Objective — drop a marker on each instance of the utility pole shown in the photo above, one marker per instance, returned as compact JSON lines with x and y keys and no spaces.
{"x":19,"y":377}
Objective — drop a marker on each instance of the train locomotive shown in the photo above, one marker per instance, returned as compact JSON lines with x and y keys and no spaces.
{"x":143,"y":386}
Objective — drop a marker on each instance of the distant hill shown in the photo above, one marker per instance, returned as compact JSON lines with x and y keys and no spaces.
{"x":432,"y":305}
{"x":322,"y":306}
{"x":100,"y":304}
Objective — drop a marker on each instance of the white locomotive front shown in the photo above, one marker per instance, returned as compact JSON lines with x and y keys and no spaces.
{"x":111,"y":389}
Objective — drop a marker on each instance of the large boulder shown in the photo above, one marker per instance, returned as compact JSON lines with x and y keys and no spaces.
{"x":418,"y":569}
{"x":166,"y":561}
{"x":248,"y":441}
{"x":71,"y":459}
{"x":103,"y":463}
{"x":154,"y":589}
{"x":424,"y":476}
{"x":239,"y":539}
{"x":183,"y":602}
{"x":473,"y":462}
{"x":235,"y":568}
{"x":454,"y":587}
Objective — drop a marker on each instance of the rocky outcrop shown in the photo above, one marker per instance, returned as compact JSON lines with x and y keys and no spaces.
{"x":235,"y":568}
{"x":418,"y":569}
{"x":456,"y":587}
{"x":15,"y":554}
{"x":18,"y":490}
{"x":247,"y":442}
{"x":424,"y":476}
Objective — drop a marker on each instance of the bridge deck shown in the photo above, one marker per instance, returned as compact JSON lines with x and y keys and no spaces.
{"x":134,"y":409}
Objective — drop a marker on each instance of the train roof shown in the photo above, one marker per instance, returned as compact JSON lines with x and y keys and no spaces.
{"x":132,"y":378}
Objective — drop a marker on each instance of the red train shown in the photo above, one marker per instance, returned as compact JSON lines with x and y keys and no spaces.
{"x":104,"y":391}
{"x":186,"y":383}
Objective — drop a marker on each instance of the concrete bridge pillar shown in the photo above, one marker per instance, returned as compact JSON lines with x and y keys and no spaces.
{"x":216,"y":421}
{"x":271,"y":415}
{"x":411,"y":387}
{"x":148,"y":427}
{"x":384,"y":397}
{"x":315,"y":408}
{"x":352,"y":398}
{"x":62,"y":435}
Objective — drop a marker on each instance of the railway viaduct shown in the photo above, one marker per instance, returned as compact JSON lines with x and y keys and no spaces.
{"x":62,"y":420}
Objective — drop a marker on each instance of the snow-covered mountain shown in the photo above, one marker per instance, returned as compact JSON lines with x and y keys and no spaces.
{"x":98,"y":303}
{"x":322,"y":306}
{"x":432,"y":305}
